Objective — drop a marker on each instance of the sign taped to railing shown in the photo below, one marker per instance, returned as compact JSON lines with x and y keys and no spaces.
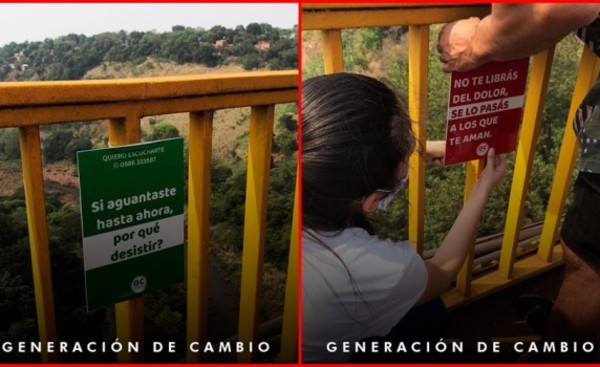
{"x":131,"y":201}
{"x":484,"y":110}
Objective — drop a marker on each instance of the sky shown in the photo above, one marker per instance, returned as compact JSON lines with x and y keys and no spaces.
{"x":35,"y":22}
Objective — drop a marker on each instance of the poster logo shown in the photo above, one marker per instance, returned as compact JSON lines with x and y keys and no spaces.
{"x":482,"y":149}
{"x":138,"y":284}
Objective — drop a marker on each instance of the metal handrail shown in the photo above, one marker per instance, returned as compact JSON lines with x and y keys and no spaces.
{"x":123,"y":102}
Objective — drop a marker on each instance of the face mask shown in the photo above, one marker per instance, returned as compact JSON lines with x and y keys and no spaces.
{"x":391,"y":194}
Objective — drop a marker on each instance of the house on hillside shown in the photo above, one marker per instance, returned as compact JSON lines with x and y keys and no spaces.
{"x":18,"y":55}
{"x":262,"y":46}
{"x":220,"y":43}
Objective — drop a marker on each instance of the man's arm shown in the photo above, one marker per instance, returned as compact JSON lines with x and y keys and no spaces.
{"x":510,"y":32}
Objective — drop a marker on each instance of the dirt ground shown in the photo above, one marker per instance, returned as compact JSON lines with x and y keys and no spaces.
{"x":59,"y":178}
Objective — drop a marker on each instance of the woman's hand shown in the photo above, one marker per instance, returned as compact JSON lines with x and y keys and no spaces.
{"x":494,"y":171}
{"x":435,"y":152}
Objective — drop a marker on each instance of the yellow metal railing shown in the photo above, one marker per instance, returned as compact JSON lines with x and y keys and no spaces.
{"x":331,"y":19}
{"x":27,"y":105}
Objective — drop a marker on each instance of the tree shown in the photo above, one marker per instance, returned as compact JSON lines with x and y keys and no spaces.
{"x":283,"y":54}
{"x":288,"y":122}
{"x":218,"y":33}
{"x":250,"y":61}
{"x":163,"y":131}
{"x":75,"y":146}
{"x":280,"y":210}
{"x":219,"y":174}
{"x":205,"y":54}
{"x":286,"y":141}
{"x":254,"y":29}
{"x":370,"y":39}
{"x":55,"y":145}
{"x":9,"y":143}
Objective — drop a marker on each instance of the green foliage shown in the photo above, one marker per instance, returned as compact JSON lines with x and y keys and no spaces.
{"x":16,"y":289}
{"x":55,"y":145}
{"x":369,"y":39}
{"x":282,"y":55}
{"x":254,"y":29}
{"x":206,"y":55}
{"x":288,"y":122}
{"x":166,"y":310}
{"x":70,"y":57}
{"x":250,"y":61}
{"x":163,"y":131}
{"x":228,"y":186}
{"x":17,"y":308}
{"x":312,"y":68}
{"x":75,"y":146}
{"x":229,"y":193}
{"x":279,"y":211}
{"x":354,"y":57}
{"x":286,"y":141}
{"x":9,"y":143}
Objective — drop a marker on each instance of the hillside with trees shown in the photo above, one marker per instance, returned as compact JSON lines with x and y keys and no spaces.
{"x":255,"y":46}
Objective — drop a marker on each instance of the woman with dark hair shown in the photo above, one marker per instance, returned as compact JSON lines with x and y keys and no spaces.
{"x":356,"y":141}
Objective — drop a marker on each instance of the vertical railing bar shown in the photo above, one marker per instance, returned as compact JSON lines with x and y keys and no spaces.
{"x":117,"y":132}
{"x":418,"y":73}
{"x":333,"y":56}
{"x":129,"y":315}
{"x":463,"y":278}
{"x":200,"y":156}
{"x":33,"y":184}
{"x":587,"y":75}
{"x":259,"y":159}
{"x":541,"y":65}
{"x":289,"y":334}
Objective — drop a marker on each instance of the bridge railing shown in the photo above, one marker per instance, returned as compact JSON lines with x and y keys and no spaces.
{"x":29,"y":105}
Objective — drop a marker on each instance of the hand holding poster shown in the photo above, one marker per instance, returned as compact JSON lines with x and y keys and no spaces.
{"x":484,"y":110}
{"x":132,"y":217}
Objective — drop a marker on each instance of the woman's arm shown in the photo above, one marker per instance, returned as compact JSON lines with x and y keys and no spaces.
{"x":443,"y":267}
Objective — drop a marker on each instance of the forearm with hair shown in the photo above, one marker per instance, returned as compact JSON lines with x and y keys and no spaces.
{"x":513,"y":31}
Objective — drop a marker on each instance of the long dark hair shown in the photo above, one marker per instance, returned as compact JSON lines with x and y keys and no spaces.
{"x":355,"y":133}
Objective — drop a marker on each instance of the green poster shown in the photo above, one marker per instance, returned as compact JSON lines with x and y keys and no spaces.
{"x":132,"y":219}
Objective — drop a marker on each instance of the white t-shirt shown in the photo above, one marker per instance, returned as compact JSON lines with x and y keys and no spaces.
{"x":388,"y":278}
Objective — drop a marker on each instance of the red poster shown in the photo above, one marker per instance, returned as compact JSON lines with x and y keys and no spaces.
{"x":484,"y":110}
